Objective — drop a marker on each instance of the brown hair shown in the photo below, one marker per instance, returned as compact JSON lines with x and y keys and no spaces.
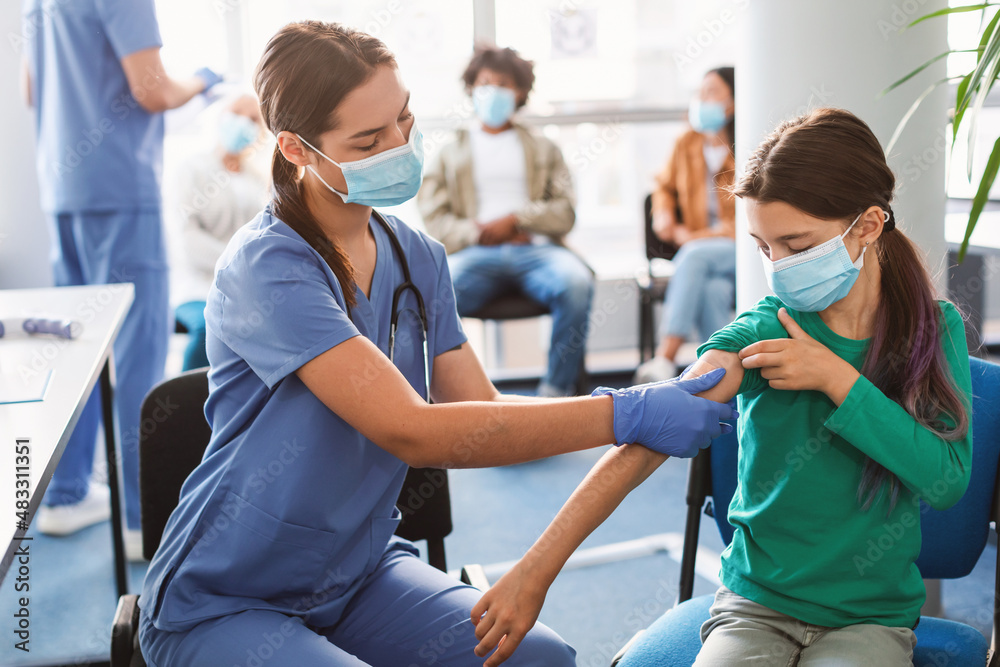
{"x":307,"y":70}
{"x":828,"y":164}
{"x":505,"y":61}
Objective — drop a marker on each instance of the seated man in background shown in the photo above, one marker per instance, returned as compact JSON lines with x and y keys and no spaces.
{"x":500,"y":198}
{"x":217,"y":191}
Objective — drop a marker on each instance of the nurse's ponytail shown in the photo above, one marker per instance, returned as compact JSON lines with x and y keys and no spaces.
{"x":829,"y":164}
{"x":307,"y":69}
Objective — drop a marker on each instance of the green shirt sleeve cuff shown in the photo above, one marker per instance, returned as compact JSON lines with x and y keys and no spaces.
{"x":858,"y":400}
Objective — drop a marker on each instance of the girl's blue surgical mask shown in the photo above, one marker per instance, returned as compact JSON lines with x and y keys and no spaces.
{"x":814,"y":279}
{"x":707,"y":117}
{"x":494,"y":104}
{"x":386,"y":179}
{"x":236,"y":132}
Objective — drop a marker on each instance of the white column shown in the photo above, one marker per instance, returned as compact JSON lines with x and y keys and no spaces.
{"x":795,"y":55}
{"x":484,"y":21}
{"x":24,"y":239}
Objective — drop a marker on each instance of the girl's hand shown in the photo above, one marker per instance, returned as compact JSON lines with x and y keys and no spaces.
{"x":800,"y":363}
{"x":505,"y":614}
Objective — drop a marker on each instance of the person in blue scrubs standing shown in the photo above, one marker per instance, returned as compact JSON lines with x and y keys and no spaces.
{"x":281,"y":549}
{"x":93,"y":74}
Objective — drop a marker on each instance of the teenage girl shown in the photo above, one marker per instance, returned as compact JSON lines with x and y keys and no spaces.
{"x":854,"y":392}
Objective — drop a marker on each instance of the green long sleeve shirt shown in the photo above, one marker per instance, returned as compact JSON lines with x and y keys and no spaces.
{"x":803,"y":546}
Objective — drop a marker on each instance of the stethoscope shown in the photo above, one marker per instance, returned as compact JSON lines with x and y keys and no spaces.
{"x":421,"y":312}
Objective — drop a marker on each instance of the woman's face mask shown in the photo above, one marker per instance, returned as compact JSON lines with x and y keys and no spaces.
{"x":814,"y":279}
{"x":707,"y":117}
{"x":236,"y":132}
{"x":388,"y":178}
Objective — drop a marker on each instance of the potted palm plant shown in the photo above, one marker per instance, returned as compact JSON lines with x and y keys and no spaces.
{"x":971,"y":92}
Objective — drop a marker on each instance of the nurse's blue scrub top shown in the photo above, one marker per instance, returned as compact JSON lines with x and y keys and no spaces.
{"x":97,"y":148}
{"x":291,"y":506}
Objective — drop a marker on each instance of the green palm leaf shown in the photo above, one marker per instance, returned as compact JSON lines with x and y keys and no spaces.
{"x":982,"y":195}
{"x":953,"y":10}
{"x":928,"y":64}
{"x":912,"y":110}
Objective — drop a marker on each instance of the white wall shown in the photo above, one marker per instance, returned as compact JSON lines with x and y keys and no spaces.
{"x":24,"y":238}
{"x":795,"y":55}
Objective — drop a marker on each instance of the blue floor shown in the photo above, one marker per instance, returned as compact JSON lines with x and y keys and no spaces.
{"x":497,"y":514}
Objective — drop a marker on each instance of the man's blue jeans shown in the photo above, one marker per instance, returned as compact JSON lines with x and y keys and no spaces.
{"x":549,"y":274}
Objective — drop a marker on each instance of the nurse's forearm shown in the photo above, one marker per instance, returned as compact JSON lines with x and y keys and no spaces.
{"x":150,"y":85}
{"x":483,"y":434}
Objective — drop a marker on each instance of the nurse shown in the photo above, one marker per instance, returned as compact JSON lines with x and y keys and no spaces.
{"x":282,"y":544}
{"x":92,"y":72}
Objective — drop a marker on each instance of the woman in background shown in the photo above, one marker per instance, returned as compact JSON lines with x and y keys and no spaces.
{"x":218,"y":191}
{"x":692,"y":208}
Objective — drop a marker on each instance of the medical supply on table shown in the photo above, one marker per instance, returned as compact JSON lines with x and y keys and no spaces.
{"x":33,"y":326}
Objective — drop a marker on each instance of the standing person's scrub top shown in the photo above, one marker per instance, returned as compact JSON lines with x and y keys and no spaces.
{"x":108,"y":153}
{"x":292,"y":507}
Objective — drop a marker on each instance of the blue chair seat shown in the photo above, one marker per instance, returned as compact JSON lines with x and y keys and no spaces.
{"x":674,"y":641}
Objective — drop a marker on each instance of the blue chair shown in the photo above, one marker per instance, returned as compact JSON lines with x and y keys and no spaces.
{"x":953,"y":541}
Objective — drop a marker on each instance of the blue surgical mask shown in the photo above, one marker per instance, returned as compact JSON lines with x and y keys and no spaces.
{"x":707,"y":117}
{"x":386,"y":179}
{"x":494,"y":104}
{"x":814,"y":279}
{"x":236,"y":132}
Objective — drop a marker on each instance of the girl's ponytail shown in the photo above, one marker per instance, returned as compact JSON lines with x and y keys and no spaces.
{"x":905,"y":359}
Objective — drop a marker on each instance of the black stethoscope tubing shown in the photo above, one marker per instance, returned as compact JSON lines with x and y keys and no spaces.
{"x":406,"y":284}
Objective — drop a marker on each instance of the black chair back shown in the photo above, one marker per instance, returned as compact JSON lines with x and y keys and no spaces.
{"x":175,"y":447}
{"x":655,"y":248}
{"x":169,"y":453}
{"x":512,"y":304}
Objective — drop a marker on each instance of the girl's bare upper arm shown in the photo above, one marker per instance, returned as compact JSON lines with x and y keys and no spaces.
{"x":729,"y":385}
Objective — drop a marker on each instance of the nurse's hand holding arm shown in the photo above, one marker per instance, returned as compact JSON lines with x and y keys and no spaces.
{"x":509,"y":609}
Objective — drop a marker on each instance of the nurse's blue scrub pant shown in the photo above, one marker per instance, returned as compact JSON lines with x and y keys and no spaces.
{"x":407,"y":614}
{"x":100,"y":247}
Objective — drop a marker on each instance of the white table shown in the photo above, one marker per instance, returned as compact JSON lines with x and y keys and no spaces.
{"x":76,"y":366}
